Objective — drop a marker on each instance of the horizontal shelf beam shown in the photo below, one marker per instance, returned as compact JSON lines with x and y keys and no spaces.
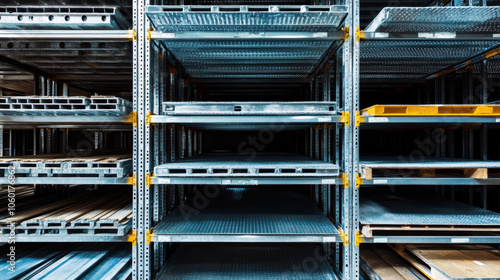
{"x":66,"y":181}
{"x":77,"y":35}
{"x":430,"y":181}
{"x":246,"y":238}
{"x":467,"y":36}
{"x":245,"y":181}
{"x":246,"y":119}
{"x":432,"y":239}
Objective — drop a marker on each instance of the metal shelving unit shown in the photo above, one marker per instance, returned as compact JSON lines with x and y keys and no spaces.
{"x":438,"y":64}
{"x":265,"y":45}
{"x":65,"y":137}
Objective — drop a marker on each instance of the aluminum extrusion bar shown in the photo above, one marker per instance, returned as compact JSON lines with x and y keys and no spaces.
{"x":76,"y":35}
{"x":245,"y":215}
{"x":269,"y":165}
{"x":249,"y":261}
{"x":61,"y":17}
{"x":247,"y":41}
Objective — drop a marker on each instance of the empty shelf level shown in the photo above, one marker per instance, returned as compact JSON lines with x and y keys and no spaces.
{"x":281,"y":165}
{"x":249,"y":215}
{"x":419,"y":218}
{"x":238,"y":261}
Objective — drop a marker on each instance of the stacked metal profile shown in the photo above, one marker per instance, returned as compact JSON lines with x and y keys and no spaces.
{"x":60,"y":141}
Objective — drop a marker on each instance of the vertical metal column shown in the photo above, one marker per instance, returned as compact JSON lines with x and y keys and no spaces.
{"x":354,"y":130}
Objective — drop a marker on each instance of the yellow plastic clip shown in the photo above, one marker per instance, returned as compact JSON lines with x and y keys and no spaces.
{"x":358,"y":238}
{"x":344,"y":236}
{"x":132,"y":238}
{"x":345,"y":180}
{"x":346,"y":118}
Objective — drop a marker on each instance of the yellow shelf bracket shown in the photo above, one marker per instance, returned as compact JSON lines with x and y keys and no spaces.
{"x":345,"y":118}
{"x":132,"y":35}
{"x":132,"y":180}
{"x":358,"y":238}
{"x":132,"y":118}
{"x":149,"y":237}
{"x":359,"y":181}
{"x":345,"y":180}
{"x":360,"y":34}
{"x":344,"y":236}
{"x":148,"y":179}
{"x":132,"y":238}
{"x":359,"y":119}
{"x":148,"y":36}
{"x":345,"y":30}
{"x":148,"y":117}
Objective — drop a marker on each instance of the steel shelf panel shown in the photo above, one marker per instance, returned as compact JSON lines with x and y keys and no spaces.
{"x":64,"y":181}
{"x":249,"y":108}
{"x":254,"y":41}
{"x":245,"y":215}
{"x":437,"y":19}
{"x":268,"y":165}
{"x":61,"y":17}
{"x":59,"y":261}
{"x":242,"y":181}
{"x":489,"y":110}
{"x":420,"y":239}
{"x":427,"y":162}
{"x":237,"y":261}
{"x":369,"y":120}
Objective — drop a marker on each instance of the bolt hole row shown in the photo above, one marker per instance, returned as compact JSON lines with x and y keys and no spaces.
{"x":66,"y":18}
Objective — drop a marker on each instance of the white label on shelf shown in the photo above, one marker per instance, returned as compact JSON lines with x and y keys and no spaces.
{"x":240,"y":182}
{"x":496,"y":35}
{"x":163,"y":181}
{"x":460,"y":240}
{"x":163,"y":238}
{"x":324,"y":119}
{"x":478,"y":263}
{"x":379,"y":240}
{"x":328,"y":181}
{"x":379,"y":181}
{"x":329,"y":239}
{"x":497,"y":120}
{"x":378,"y":119}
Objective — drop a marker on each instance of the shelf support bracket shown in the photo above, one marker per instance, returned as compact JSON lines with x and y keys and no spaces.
{"x":132,"y":237}
{"x":344,"y":236}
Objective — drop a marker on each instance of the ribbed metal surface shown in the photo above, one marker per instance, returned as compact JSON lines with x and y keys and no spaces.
{"x":236,"y":261}
{"x":250,"y":50}
{"x":437,"y":19}
{"x":250,"y":212}
{"x":265,"y":165}
{"x":69,"y":261}
{"x":388,"y":59}
{"x":246,"y":18}
{"x":421,"y":209}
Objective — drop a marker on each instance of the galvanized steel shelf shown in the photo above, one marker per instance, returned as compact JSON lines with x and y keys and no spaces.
{"x":417,"y":42}
{"x":420,"y":218}
{"x":60,"y":261}
{"x":249,"y":261}
{"x":61,"y":17}
{"x":264,"y":165}
{"x":248,"y":115}
{"x":247,"y":41}
{"x":246,"y":215}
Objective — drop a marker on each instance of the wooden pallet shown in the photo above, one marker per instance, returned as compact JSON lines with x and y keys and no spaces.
{"x":433,"y":110}
{"x":380,"y":263}
{"x":453,"y":262}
